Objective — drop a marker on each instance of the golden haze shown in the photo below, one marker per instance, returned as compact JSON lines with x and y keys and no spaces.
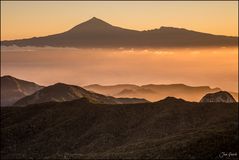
{"x":214,"y":67}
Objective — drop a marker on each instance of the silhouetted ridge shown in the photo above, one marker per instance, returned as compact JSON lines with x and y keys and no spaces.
{"x":164,"y":28}
{"x":7,"y":77}
{"x":172,"y":100}
{"x":59,"y":85}
{"x":92,"y":24}
{"x":98,"y":33}
{"x":95,"y":21}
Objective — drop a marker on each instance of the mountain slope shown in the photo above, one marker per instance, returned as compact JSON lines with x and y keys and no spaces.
{"x":97,"y":33}
{"x":13,"y":89}
{"x":168,"y":129}
{"x":60,"y":92}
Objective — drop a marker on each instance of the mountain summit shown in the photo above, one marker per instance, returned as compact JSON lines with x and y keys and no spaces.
{"x":92,"y":24}
{"x":97,"y":33}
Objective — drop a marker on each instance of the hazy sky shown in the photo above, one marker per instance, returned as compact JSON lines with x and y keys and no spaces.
{"x":39,"y":18}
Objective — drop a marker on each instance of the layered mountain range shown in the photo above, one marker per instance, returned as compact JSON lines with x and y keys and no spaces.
{"x":21,"y":93}
{"x":154,"y":92}
{"x":96,"y":33}
{"x":63,"y":121}
{"x":61,"y":92}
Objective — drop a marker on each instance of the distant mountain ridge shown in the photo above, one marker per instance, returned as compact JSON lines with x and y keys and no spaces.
{"x":155,"y":92}
{"x":13,"y":89}
{"x":61,"y":92}
{"x":97,"y":33}
{"x":21,"y":92}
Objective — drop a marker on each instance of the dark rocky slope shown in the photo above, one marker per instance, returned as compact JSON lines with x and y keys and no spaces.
{"x":221,"y":96}
{"x":170,"y":128}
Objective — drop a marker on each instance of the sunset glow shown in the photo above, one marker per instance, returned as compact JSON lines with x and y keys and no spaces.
{"x":194,"y":67}
{"x":32,"y":19}
{"x":119,"y":79}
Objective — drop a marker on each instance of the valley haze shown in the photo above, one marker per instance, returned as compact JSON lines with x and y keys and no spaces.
{"x":214,"y":67}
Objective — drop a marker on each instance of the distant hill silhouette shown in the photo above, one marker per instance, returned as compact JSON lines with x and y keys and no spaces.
{"x":97,"y":33}
{"x":110,"y":90}
{"x":154,"y":92}
{"x":221,"y":96}
{"x":13,"y":89}
{"x":61,"y":92}
{"x":168,"y":129}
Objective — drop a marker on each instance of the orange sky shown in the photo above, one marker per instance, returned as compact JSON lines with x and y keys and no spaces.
{"x":29,"y":19}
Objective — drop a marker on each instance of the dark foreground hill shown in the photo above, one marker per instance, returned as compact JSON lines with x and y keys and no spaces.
{"x":96,"y":33}
{"x":170,"y":128}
